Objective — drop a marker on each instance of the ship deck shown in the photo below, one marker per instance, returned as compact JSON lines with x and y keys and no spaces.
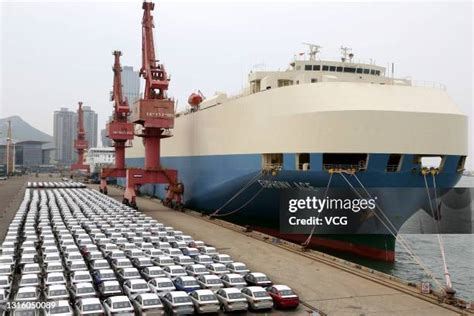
{"x":330,"y":285}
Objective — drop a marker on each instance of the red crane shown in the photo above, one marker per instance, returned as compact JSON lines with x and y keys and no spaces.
{"x":80,"y":144}
{"x":119,"y":129}
{"x":155,"y":114}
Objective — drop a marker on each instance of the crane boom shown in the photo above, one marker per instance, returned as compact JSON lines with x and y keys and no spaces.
{"x":120,"y":104}
{"x":156,"y":79}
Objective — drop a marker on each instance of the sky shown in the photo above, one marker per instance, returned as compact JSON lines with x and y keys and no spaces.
{"x":54,"y":54}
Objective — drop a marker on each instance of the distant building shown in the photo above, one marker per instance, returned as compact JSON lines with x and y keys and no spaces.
{"x":106,"y":142}
{"x":99,"y":158}
{"x":130,"y":84}
{"x":64,"y":135}
{"x":90,"y":126}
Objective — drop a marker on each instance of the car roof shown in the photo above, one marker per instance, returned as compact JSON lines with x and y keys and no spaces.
{"x":281,"y":287}
{"x":210,"y":276}
{"x":178,"y":293}
{"x":132,"y":281}
{"x":238,"y":264}
{"x":258,"y":274}
{"x":55,"y":274}
{"x":62,"y":303}
{"x":57,"y":287}
{"x":84,"y":284}
{"x":148,"y":295}
{"x":187,"y":278}
{"x":256,"y":288}
{"x":154,"y":268}
{"x":119,"y":298}
{"x":231,"y":290}
{"x":163,"y":279}
{"x":233,"y":275}
{"x":90,"y":300}
{"x":27,"y":289}
{"x":82,"y":272}
{"x":204,"y":292}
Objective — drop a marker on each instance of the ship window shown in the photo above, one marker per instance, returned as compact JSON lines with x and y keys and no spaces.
{"x":302,"y":161}
{"x":394,"y":163}
{"x":313,"y":80}
{"x":317,"y":67}
{"x":372,"y":72}
{"x":272,"y":161}
{"x":339,"y":69}
{"x":366,"y":71}
{"x":332,"y":68}
{"x":284,"y":82}
{"x":325,"y":68}
{"x":345,"y":161}
{"x":349,"y":69}
{"x":359,"y":70}
{"x":308,"y":67}
{"x":461,"y":163}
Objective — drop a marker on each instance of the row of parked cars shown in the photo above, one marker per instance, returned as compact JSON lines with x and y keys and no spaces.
{"x":77,"y":251}
{"x":55,"y":184}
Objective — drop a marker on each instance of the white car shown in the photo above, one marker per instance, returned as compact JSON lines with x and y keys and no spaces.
{"x":55,"y":278}
{"x":174,"y":271}
{"x":233,"y":280}
{"x":257,"y":297}
{"x":177,"y":302}
{"x":149,"y":273}
{"x":231,"y":299}
{"x":148,"y":304}
{"x":56,"y":292}
{"x":222,"y":258}
{"x":87,"y":306}
{"x":80,"y":276}
{"x":238,"y":267}
{"x":210,"y":251}
{"x":134,"y":287}
{"x":6,"y":269}
{"x":118,"y":305}
{"x":30,"y":268}
{"x":196,"y":270}
{"x":27,"y":293}
{"x":60,"y":308}
{"x":217,"y":268}
{"x":161,"y":286}
{"x":209,"y":281}
{"x":205,"y":301}
{"x":203,"y":259}
{"x":183,"y":260}
{"x":163,"y":261}
{"x":172,"y":252}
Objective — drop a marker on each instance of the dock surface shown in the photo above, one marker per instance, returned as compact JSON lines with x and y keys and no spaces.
{"x":332,"y":290}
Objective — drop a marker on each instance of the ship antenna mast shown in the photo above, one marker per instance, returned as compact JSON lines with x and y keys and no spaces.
{"x":346,"y":52}
{"x":313,"y":50}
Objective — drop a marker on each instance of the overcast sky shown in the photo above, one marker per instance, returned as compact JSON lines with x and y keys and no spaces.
{"x":54,"y":54}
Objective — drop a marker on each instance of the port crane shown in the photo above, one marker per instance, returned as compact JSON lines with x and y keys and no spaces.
{"x":80,"y":144}
{"x":119,"y":129}
{"x":155,"y":116}
{"x":10,"y":151}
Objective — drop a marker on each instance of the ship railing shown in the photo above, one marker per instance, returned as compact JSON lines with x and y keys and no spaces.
{"x":429,"y":84}
{"x":358,"y":167}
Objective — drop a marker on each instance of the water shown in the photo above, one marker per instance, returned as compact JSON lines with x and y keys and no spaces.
{"x":459,"y":249}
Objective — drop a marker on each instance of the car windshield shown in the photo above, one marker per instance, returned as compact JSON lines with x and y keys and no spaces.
{"x":28,"y":269}
{"x":166,"y":261}
{"x":101,"y":264}
{"x":59,"y":310}
{"x":91,"y":307}
{"x":178,"y":271}
{"x":234,"y":296}
{"x":30,"y":280}
{"x":219,"y":269}
{"x":82,"y":277}
{"x":25,"y":313}
{"x":214,"y":281}
{"x":261,"y":279}
{"x":260,"y":294}
{"x":107,"y":275}
{"x":156,"y":272}
{"x":83,"y":290}
{"x":186,"y":260}
{"x":199,"y":270}
{"x":165,"y":284}
{"x":57,"y":292}
{"x":286,"y":292}
{"x":190,"y":283}
{"x":7,"y":270}
{"x":27,"y":295}
{"x":131,"y":274}
{"x":207,"y":297}
{"x":55,"y":278}
{"x":182,"y":299}
{"x":140,"y":286}
{"x":112,"y":288}
{"x":124,"y":304}
{"x":151,"y":302}
{"x":236,"y":280}
{"x":239,"y":268}
{"x":205,"y":260}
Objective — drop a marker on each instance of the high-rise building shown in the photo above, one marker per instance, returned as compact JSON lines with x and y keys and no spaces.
{"x":106,"y":142}
{"x":130,"y":84}
{"x":64,"y":135}
{"x":90,"y":126}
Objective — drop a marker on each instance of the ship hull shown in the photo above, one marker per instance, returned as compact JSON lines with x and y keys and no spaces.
{"x":210,"y":182}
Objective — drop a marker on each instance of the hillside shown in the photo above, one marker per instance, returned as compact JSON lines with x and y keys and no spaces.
{"x":22,"y":131}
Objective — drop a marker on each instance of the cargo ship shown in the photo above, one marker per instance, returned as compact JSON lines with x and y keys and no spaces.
{"x":287,"y":130}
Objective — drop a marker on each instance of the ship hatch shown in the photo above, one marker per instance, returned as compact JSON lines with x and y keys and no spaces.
{"x":303,"y":161}
{"x":394,"y":163}
{"x":461,"y":163}
{"x":345,"y":161}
